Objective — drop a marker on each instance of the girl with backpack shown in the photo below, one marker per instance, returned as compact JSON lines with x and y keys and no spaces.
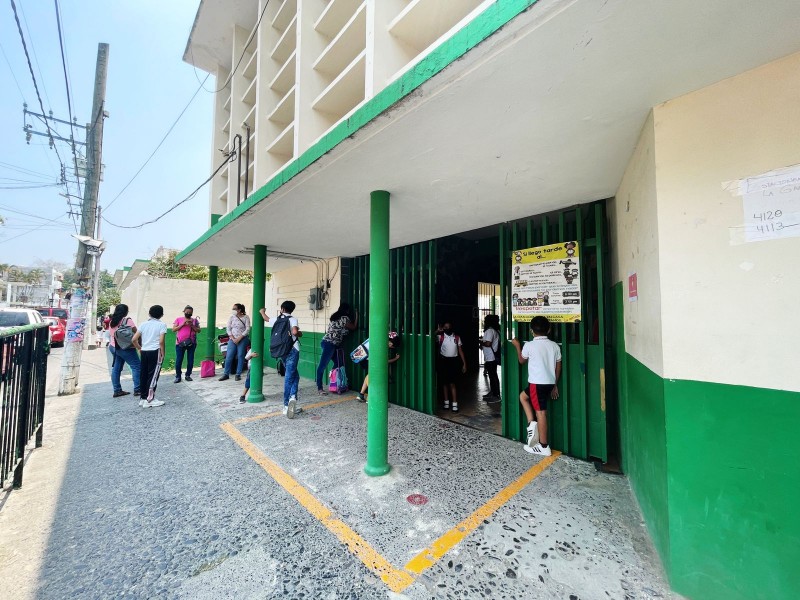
{"x":121,"y":329}
{"x":491,"y":355}
{"x":451,"y":364}
{"x":342,"y":322}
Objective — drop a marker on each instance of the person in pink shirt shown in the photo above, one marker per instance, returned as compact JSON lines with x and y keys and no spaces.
{"x":186,"y":329}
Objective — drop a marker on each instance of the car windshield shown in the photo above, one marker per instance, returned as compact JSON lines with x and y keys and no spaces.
{"x":61,"y":313}
{"x":13,"y":319}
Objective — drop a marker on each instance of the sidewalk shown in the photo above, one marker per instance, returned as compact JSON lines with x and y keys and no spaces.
{"x":206,"y":498}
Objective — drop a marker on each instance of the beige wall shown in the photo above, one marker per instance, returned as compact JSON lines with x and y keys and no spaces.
{"x":729,"y":311}
{"x":174,"y":294}
{"x":632,"y":218}
{"x":295,"y":283}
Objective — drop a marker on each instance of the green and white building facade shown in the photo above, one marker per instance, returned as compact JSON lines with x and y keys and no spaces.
{"x":399,"y":150}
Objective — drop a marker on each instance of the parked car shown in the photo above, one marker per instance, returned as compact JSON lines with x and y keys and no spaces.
{"x":58,"y":331}
{"x":18,"y":317}
{"x":49,"y":311}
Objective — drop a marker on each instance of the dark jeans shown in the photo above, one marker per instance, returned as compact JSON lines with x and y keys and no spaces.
{"x":238,"y":350}
{"x":179,"y":352}
{"x":329,"y":351}
{"x":490,"y":366}
{"x":292,"y":376}
{"x":130,"y":356}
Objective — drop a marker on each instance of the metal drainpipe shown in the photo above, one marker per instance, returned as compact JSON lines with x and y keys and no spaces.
{"x":238,"y":169}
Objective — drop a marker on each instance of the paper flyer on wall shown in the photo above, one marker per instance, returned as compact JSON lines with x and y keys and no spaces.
{"x":546,"y":281}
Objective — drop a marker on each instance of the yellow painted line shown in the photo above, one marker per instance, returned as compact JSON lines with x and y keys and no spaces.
{"x":280,"y":412}
{"x":396,"y":579}
{"x":428,"y":557}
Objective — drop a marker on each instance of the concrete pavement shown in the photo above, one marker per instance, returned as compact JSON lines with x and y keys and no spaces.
{"x":206,"y":498}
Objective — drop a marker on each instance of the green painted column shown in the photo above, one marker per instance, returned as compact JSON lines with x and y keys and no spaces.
{"x":211,"y":320}
{"x":378,"y":407}
{"x":256,"y":393}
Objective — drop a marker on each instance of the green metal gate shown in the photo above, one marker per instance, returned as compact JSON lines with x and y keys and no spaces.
{"x":578,"y":424}
{"x":412,"y":296}
{"x":577,"y":420}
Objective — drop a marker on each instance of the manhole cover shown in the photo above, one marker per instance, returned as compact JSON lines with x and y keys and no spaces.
{"x":417,"y":499}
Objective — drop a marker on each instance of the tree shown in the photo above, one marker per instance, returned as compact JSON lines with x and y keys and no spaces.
{"x":164,"y":266}
{"x":108,"y":297}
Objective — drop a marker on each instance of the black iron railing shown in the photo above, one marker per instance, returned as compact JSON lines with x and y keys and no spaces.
{"x":23,"y":372}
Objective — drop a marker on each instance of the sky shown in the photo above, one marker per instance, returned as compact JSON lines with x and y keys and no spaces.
{"x":148,"y":87}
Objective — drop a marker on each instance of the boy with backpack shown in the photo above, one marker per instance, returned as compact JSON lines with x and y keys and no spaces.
{"x":150,"y":339}
{"x":544,"y":370}
{"x":285,"y":344}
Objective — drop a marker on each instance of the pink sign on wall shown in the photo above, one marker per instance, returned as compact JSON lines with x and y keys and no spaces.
{"x":633,"y":291}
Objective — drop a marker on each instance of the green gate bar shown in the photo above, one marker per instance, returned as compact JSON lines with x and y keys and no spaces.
{"x":211,"y":322}
{"x":256,"y":393}
{"x":378,"y":407}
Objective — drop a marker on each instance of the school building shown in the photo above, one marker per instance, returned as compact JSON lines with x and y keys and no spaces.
{"x":395,"y":153}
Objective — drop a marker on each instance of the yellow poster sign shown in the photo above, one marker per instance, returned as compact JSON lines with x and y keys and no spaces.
{"x":546,"y":281}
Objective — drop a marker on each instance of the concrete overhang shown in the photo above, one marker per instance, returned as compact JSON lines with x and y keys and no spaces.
{"x":209,"y":44}
{"x":541,"y":115}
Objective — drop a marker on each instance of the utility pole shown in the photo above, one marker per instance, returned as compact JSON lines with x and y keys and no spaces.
{"x":76,"y":325}
{"x":96,"y":286}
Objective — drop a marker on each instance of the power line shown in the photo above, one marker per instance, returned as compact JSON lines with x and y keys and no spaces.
{"x":29,"y":187}
{"x":12,"y":72}
{"x":244,"y":51}
{"x":228,"y":159}
{"x":69,"y":97}
{"x":185,"y":108}
{"x":21,"y":234}
{"x":23,"y":170}
{"x":33,"y":77}
{"x":35,"y":56}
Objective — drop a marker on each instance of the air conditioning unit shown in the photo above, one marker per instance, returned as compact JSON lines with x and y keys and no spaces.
{"x":315,"y":299}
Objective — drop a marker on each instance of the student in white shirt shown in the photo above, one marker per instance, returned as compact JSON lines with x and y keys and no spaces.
{"x":491,"y":355}
{"x":451,"y":363}
{"x":544,"y":369}
{"x":149,"y":339}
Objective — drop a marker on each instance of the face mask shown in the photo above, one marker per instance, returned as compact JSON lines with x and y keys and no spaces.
{"x":447,"y":330}
{"x":187,"y":315}
{"x":235,"y":312}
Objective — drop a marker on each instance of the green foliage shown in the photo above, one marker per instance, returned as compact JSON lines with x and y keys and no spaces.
{"x":108,"y":297}
{"x":165,"y":266}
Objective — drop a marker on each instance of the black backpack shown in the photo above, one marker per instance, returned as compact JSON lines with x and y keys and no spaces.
{"x":281,"y":341}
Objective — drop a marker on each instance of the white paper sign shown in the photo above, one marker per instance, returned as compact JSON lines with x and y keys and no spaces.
{"x":771,"y":204}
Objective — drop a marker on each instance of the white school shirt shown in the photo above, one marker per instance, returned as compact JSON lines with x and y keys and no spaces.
{"x":490,"y":335}
{"x":449,"y":346}
{"x":542,"y":354}
{"x":293,"y":322}
{"x":151,"y":332}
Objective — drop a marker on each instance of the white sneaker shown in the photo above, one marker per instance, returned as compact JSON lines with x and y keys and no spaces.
{"x":290,"y":409}
{"x":142,"y":402}
{"x":533,"y":433}
{"x":538,"y":449}
{"x":285,"y":410}
{"x":455,"y":406}
{"x":446,"y":404}
{"x":152,"y":403}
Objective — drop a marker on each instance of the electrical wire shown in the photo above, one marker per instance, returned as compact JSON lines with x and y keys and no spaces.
{"x":23,"y":170}
{"x":244,"y":51}
{"x":152,"y":154}
{"x":33,"y":77}
{"x":21,"y":234}
{"x":19,"y":212}
{"x":29,"y":187}
{"x":228,"y":159}
{"x":12,"y":72}
{"x":69,"y":96}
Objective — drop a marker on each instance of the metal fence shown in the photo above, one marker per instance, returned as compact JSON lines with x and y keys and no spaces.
{"x":23,"y":372}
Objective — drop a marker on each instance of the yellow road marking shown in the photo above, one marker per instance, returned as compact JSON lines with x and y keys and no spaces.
{"x":396,"y":579}
{"x":428,"y":557}
{"x":280,"y":412}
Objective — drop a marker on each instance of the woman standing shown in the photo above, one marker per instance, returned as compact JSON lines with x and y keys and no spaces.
{"x":343,"y":321}
{"x":239,"y":333}
{"x":122,"y":355}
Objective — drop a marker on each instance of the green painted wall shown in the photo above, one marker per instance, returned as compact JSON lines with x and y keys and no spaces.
{"x":715,"y":471}
{"x":734,"y":490}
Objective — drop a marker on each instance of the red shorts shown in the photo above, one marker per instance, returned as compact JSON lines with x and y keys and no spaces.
{"x":539,"y":394}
